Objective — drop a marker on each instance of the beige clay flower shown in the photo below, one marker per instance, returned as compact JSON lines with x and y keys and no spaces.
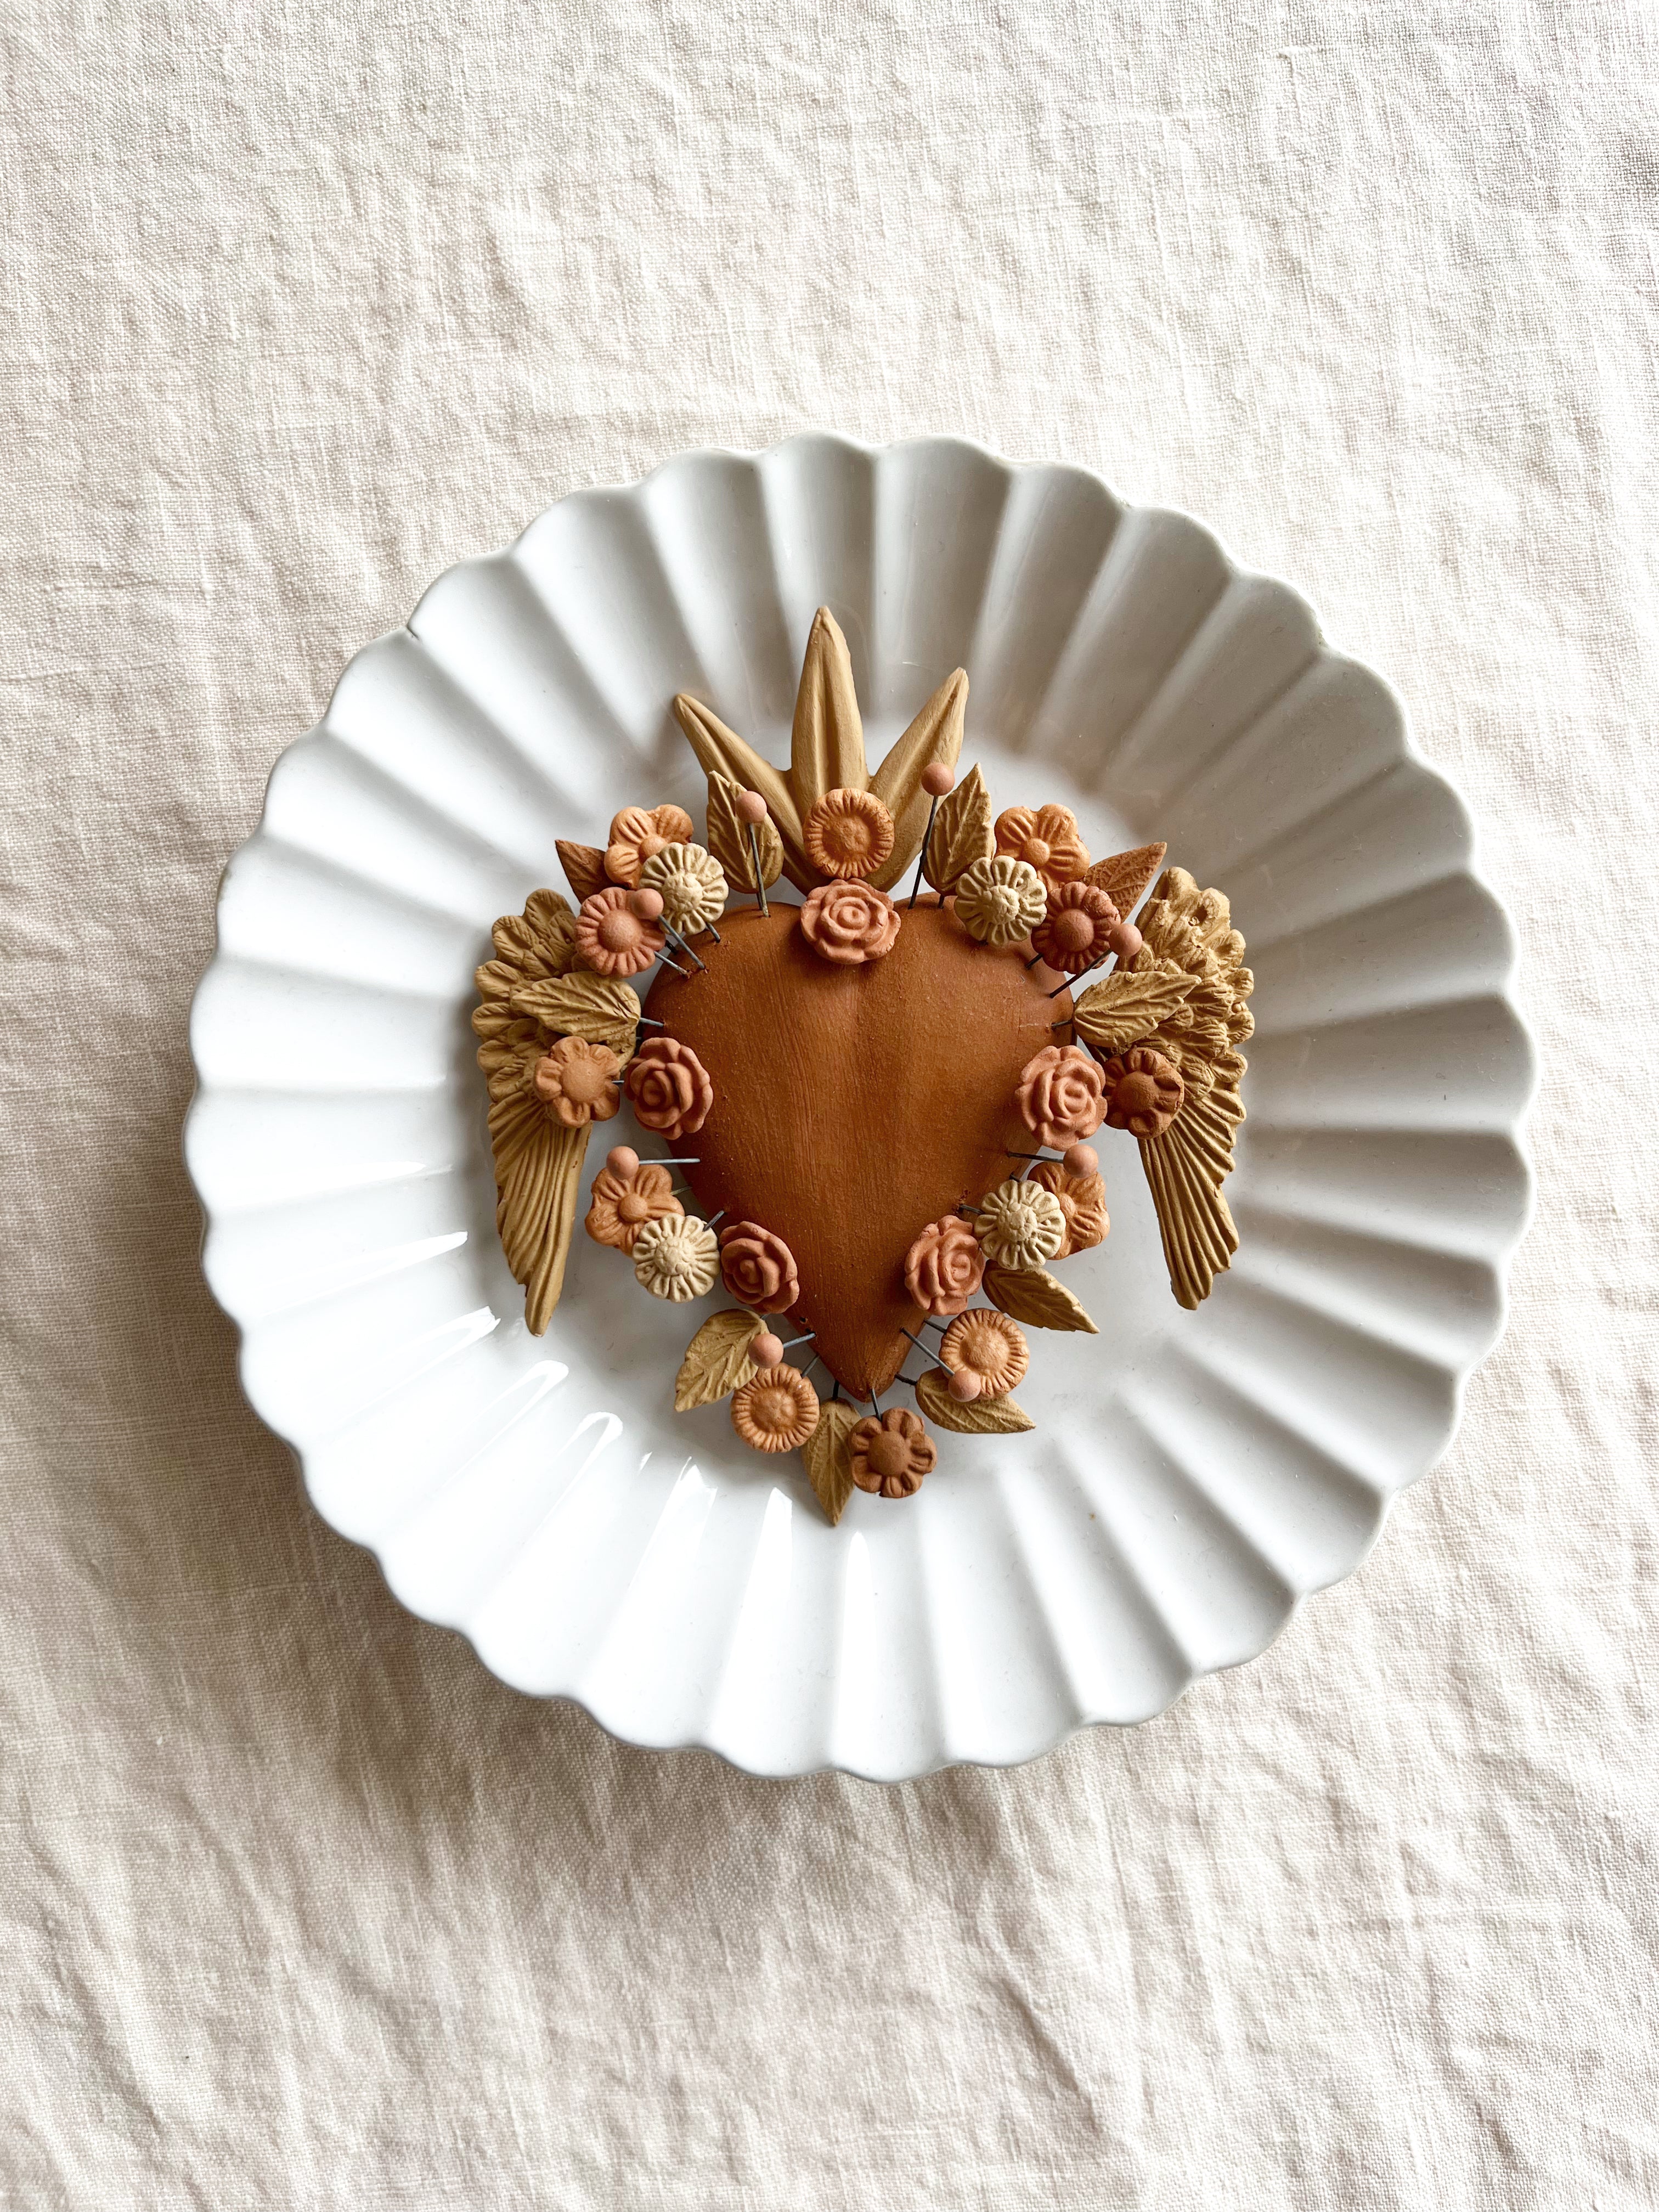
{"x":639,"y":832}
{"x":1002,"y":900}
{"x":990,"y":1347}
{"x":1020,"y":1224}
{"x":1046,"y":837}
{"x":577,"y":1081}
{"x":775,"y":1411}
{"x":891,"y":1455}
{"x":847,"y":833}
{"x":677,"y":1260}
{"x":692,"y":885}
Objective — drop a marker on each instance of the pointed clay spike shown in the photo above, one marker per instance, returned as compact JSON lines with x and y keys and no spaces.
{"x":935,"y":735}
{"x":826,"y":744}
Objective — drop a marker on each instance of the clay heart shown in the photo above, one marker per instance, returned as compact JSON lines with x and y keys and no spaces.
{"x":852,"y":1105}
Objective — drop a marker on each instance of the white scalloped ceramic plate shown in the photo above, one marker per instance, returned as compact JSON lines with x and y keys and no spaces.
{"x":1192,"y":1475}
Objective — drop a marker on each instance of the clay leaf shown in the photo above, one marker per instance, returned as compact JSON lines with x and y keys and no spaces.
{"x":538,"y":1167}
{"x":962,"y":833}
{"x":722,"y":752}
{"x":1036,"y":1298}
{"x":716,"y":1361}
{"x":826,"y":746}
{"x":980,"y":1417}
{"x":934,"y":735}
{"x":828,"y":1461}
{"x":583,"y":1004}
{"x":584,"y":867}
{"x":728,"y":838}
{"x":1124,"y":876}
{"x":1128,"y":1005}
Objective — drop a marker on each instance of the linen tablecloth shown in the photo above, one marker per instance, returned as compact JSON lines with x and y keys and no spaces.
{"x":302,"y":304}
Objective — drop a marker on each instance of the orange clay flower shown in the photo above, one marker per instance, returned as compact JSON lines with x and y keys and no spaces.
{"x":990,"y":1347}
{"x":775,"y":1411}
{"x":1046,"y":838}
{"x":669,"y":1088}
{"x":758,"y":1268}
{"x":637,"y":833}
{"x":944,"y":1266}
{"x":847,"y":833}
{"x":610,"y":939}
{"x":1082,"y":1200}
{"x":849,"y":923}
{"x":1073,"y":936}
{"x":1061,"y":1096}
{"x":577,"y":1081}
{"x":1146,"y":1092}
{"x":891,"y":1455}
{"x":622,"y":1203}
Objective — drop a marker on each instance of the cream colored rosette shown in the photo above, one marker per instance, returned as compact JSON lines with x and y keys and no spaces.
{"x":1020,"y":1224}
{"x":692,"y":885}
{"x":1000,"y":901}
{"x":678,"y":1260}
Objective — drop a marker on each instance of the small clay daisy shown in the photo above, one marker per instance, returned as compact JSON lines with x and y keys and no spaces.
{"x":776,"y":1411}
{"x":990,"y":1347}
{"x":577,"y":1081}
{"x":847,"y":833}
{"x":1076,"y":932}
{"x":612,"y":939}
{"x":1000,"y":901}
{"x":677,"y":1260}
{"x":891,"y":1457}
{"x":1047,"y":838}
{"x":1020,"y":1225}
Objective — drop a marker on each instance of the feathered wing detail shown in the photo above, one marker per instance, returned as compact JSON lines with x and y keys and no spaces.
{"x":1189,"y":931}
{"x":538,"y":1163}
{"x":538,"y":1172}
{"x":827,"y":754}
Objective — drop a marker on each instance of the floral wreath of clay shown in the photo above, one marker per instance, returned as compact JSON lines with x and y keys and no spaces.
{"x":1153,"y":1048}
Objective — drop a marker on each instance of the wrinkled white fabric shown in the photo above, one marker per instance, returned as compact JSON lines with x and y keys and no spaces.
{"x":300,"y":305}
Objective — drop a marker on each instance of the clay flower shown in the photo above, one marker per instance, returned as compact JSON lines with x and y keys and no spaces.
{"x":758,"y":1268}
{"x":577,"y":1081}
{"x":849,"y":923}
{"x":1144,"y":1093}
{"x":847,"y":833}
{"x":669,"y":1088}
{"x":1000,"y":901}
{"x":1046,"y":837}
{"x":692,"y":885}
{"x":1082,"y":1200}
{"x":610,"y":937}
{"x":1061,"y":1096}
{"x":677,"y":1259}
{"x":891,"y":1455}
{"x":944,"y":1266}
{"x":1020,"y":1225}
{"x":776,"y":1411}
{"x":1073,"y":936}
{"x":638,"y":833}
{"x":990,"y":1347}
{"x":624,"y":1201}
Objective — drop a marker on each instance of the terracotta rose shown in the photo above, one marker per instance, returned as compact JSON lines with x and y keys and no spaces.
{"x":758,"y":1268}
{"x":944,"y":1266}
{"x":850,"y":922}
{"x":1063,"y":1095}
{"x":669,"y":1088}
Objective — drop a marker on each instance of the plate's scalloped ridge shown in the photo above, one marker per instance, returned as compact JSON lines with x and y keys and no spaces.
{"x":1191,"y":1478}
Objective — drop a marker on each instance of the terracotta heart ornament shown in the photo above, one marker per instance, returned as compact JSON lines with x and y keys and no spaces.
{"x":881,"y":1104}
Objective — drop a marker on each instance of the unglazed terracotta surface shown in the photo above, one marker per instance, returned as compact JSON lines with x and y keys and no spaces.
{"x":1191,"y":1475}
{"x":854,"y":1105}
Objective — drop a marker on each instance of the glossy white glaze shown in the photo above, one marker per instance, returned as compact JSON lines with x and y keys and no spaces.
{"x":1191,"y":1475}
